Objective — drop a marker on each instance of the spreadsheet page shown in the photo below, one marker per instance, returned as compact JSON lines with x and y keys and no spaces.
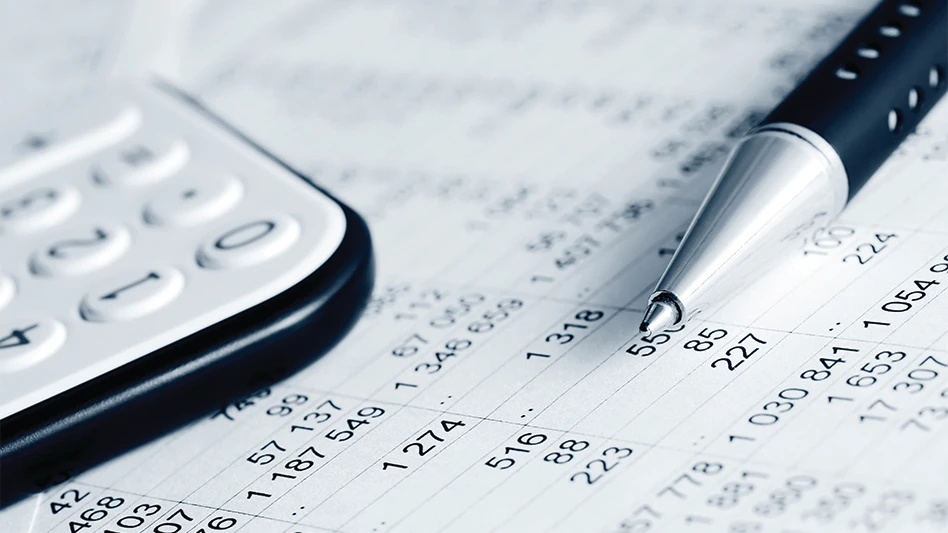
{"x":527,"y":168}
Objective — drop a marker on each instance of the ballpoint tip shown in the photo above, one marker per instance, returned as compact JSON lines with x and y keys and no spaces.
{"x":659,"y":316}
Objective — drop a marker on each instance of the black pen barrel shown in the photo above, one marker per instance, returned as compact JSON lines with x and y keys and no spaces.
{"x":869,"y":94}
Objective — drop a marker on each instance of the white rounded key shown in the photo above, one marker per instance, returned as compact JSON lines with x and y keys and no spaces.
{"x":7,"y":290}
{"x":80,"y":251}
{"x":38,"y":208}
{"x":131,"y":294}
{"x":249,"y":243}
{"x":194,"y":199}
{"x":55,"y":135}
{"x":143,"y":160}
{"x":25,"y":342}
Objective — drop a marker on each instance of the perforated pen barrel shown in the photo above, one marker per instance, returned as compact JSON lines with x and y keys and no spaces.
{"x":798,"y":169}
{"x":868,"y":95}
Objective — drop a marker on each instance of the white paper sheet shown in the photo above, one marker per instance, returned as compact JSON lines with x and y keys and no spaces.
{"x":525,"y":167}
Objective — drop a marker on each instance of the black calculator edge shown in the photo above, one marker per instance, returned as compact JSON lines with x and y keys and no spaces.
{"x":193,"y":377}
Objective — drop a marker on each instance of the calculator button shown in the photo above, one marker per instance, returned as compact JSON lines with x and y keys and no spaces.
{"x":78,"y":252}
{"x":64,"y":138}
{"x":131,"y":294}
{"x":249,"y":243}
{"x":194,"y":200}
{"x":38,"y":208}
{"x":7,"y":290}
{"x":25,"y":342}
{"x":143,"y":160}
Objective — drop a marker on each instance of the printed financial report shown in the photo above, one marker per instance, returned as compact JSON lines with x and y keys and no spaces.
{"x":527,"y":168}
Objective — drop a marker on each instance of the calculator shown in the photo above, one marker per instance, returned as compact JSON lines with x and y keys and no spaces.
{"x":155,"y":264}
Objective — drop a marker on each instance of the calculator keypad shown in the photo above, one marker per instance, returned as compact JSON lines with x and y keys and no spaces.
{"x":131,"y":294}
{"x":249,"y":243}
{"x":81,"y":250}
{"x":132,"y":225}
{"x":142,"y":160}
{"x":63,"y":135}
{"x":202,"y":197}
{"x":38,"y":208}
{"x":27,"y":341}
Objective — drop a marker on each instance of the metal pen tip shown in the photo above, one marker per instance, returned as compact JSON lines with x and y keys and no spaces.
{"x":658,"y":317}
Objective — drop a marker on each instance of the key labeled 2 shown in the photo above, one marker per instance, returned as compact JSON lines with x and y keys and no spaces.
{"x":81,"y":251}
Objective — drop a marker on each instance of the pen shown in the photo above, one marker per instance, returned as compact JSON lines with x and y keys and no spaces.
{"x":797,"y":170}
